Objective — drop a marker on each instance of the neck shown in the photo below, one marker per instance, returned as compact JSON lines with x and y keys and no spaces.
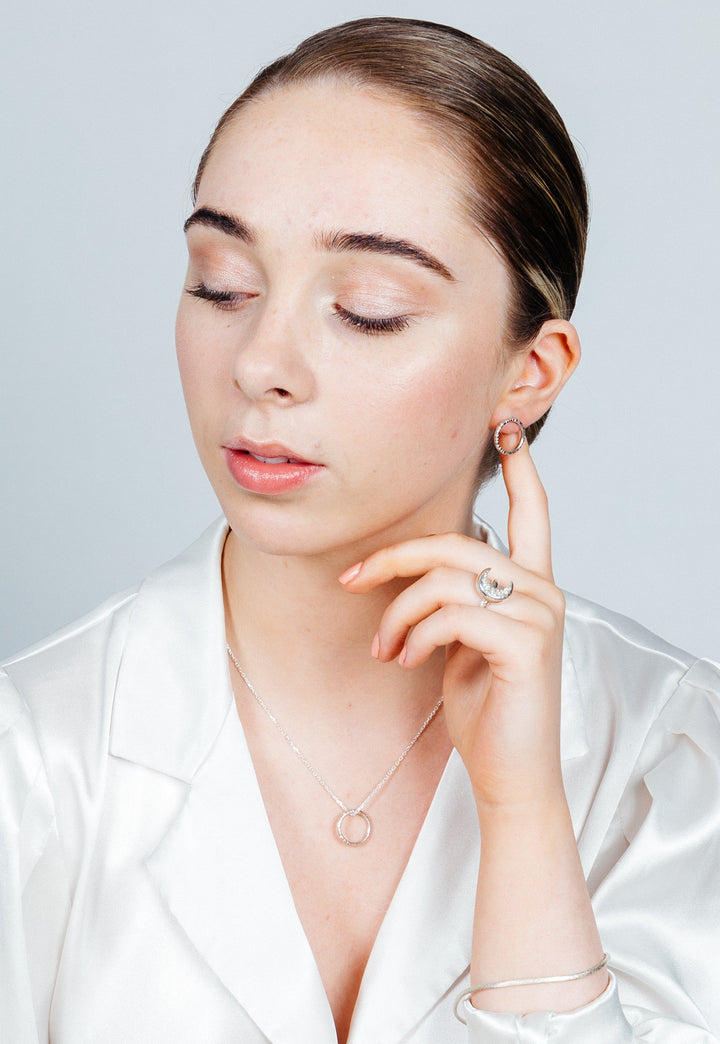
{"x":304,"y":640}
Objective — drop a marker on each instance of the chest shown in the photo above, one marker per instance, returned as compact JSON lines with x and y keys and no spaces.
{"x":342,"y":892}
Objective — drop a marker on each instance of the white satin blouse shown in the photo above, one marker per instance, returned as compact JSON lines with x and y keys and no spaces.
{"x":142,"y":897}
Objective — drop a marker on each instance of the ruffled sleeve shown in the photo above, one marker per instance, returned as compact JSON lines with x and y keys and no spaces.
{"x":657,"y":902}
{"x":30,"y":864}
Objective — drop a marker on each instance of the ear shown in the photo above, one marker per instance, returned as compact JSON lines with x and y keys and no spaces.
{"x":537,"y":375}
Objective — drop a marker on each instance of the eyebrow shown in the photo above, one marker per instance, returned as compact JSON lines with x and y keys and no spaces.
{"x":377,"y":243}
{"x":226,"y":223}
{"x":336,"y":242}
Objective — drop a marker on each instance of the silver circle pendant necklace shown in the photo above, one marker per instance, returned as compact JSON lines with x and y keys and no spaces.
{"x":346,"y":814}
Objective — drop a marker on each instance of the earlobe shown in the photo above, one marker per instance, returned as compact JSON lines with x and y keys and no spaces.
{"x":540,"y":373}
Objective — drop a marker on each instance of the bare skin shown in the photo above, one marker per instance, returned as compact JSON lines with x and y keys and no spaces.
{"x":397,"y":422}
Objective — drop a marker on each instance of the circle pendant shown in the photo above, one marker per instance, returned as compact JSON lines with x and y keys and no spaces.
{"x":352,"y":813}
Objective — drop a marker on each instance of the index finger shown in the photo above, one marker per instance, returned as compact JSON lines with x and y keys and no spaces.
{"x":528,"y":516}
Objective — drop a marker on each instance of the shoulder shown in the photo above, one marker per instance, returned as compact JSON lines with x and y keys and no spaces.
{"x":595,"y":631}
{"x":61,"y":699}
{"x":61,"y":677}
{"x":21,"y":766}
{"x":28,"y":835}
{"x":64,"y":673}
{"x":622,"y":666}
{"x":60,"y":692}
{"x":69,"y":681}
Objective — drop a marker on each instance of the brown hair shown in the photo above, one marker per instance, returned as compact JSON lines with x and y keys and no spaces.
{"x":525,"y":188}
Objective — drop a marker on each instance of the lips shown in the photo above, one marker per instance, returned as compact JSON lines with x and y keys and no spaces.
{"x":268,"y":468}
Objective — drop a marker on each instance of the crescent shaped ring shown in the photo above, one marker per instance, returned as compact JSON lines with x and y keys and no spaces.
{"x":490,"y":590}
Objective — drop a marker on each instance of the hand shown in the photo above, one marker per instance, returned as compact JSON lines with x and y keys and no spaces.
{"x":504,"y":661}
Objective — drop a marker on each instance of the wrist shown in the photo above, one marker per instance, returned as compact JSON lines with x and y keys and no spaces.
{"x":536,"y":811}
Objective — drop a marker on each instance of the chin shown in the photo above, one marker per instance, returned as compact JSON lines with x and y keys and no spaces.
{"x":307,"y":535}
{"x":269,"y":531}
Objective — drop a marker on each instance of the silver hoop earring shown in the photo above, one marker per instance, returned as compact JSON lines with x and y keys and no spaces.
{"x":498,"y":432}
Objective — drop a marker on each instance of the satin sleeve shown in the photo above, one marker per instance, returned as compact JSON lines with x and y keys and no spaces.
{"x":31,"y":867}
{"x":657,"y":902}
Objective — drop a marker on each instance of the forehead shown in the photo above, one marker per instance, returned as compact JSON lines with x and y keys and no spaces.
{"x":350,"y":154}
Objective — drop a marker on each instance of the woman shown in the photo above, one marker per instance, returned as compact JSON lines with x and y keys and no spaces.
{"x":248,"y":801}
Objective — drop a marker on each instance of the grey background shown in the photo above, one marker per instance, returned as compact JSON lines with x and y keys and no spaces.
{"x":108,"y":109}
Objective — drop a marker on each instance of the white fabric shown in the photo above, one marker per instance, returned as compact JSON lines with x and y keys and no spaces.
{"x":142,"y":897}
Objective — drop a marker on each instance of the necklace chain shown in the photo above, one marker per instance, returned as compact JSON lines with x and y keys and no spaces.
{"x":359,"y":810}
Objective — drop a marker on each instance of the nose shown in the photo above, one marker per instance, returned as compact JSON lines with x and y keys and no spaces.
{"x":271,"y":362}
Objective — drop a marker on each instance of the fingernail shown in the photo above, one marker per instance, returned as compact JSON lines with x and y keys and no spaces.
{"x":350,"y":573}
{"x":403,"y":656}
{"x":375,"y":650}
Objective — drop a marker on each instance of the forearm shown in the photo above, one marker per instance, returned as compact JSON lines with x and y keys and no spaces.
{"x":533,"y":916}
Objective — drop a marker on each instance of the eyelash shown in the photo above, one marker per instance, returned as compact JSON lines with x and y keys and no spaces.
{"x":227,"y":300}
{"x":372,"y":324}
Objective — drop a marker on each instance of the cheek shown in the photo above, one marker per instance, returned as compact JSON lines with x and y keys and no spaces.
{"x":199,"y":366}
{"x":451,"y":415}
{"x":429,"y":416}
{"x":453,"y":400}
{"x":184,"y":341}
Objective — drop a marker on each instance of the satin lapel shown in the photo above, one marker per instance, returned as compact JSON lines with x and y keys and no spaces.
{"x":172,"y":693}
{"x":217,"y":868}
{"x":423,"y":947}
{"x":219,"y":872}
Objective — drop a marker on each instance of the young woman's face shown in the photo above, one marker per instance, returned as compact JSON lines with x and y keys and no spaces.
{"x":342,"y":318}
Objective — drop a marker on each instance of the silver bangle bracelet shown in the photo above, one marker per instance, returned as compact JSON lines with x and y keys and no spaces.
{"x":525,"y":982}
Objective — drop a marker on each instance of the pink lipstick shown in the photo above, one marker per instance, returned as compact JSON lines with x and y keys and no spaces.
{"x":267,"y":467}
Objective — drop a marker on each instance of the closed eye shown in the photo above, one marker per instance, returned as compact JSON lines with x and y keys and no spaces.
{"x":373,"y":324}
{"x":225,"y":300}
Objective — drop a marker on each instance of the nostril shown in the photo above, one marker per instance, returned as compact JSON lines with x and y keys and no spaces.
{"x":282,"y":392}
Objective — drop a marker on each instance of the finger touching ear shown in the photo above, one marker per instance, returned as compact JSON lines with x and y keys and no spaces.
{"x":540,"y":373}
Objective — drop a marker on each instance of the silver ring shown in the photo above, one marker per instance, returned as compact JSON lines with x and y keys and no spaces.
{"x":491,"y":590}
{"x":498,"y":432}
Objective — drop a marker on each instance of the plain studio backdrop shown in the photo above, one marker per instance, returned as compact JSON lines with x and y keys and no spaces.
{"x":108,"y":107}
